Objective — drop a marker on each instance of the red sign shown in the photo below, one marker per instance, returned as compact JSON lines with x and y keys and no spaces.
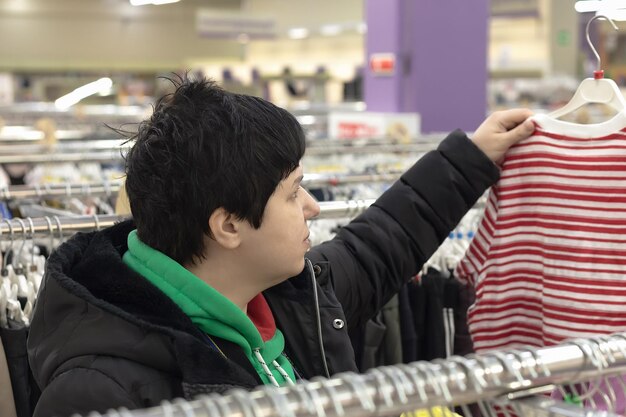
{"x":354,"y":130}
{"x":382,"y":64}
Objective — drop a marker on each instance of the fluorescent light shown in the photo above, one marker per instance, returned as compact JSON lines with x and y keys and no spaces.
{"x":298,"y":33}
{"x":330,"y":30}
{"x":68,"y":100}
{"x":154,"y":2}
{"x":618,"y":15}
{"x":361,"y":28}
{"x":585,"y":6}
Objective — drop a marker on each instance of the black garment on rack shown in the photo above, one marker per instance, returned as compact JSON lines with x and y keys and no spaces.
{"x":432,"y":321}
{"x":426,"y":297}
{"x":25,"y":390}
{"x":380,"y":338}
{"x":439,"y":304}
{"x":462,"y":339}
{"x":407,"y":327}
{"x":322,"y":194}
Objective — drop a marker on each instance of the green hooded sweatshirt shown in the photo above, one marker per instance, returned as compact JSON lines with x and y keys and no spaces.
{"x":213,"y":313}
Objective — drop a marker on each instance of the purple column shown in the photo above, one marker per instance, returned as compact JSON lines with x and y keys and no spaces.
{"x":442,"y":60}
{"x":383,"y":17}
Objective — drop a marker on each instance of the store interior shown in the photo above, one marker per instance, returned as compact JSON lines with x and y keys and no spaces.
{"x":375,"y":84}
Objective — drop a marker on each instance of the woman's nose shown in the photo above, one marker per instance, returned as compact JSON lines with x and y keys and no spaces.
{"x":311,"y":208}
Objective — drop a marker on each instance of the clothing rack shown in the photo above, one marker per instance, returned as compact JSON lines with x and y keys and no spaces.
{"x":16,"y":192}
{"x":505,"y":379}
{"x":113,"y":155}
{"x":370,"y":149}
{"x":21,"y":134}
{"x":59,"y":225}
{"x":48,"y":191}
{"x":17,"y":229}
{"x":111,"y":145}
{"x":343,"y":209}
{"x":324,"y":180}
{"x":328,"y":210}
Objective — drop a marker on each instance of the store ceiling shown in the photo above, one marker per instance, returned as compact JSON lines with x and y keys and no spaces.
{"x":286,"y":12}
{"x":112,"y":34}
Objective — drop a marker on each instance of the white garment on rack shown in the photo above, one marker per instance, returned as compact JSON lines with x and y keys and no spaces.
{"x":4,"y":179}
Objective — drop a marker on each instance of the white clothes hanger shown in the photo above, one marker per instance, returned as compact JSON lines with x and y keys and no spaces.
{"x":594,"y":90}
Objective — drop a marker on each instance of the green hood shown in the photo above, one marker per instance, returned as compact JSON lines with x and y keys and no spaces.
{"x":208,"y":309}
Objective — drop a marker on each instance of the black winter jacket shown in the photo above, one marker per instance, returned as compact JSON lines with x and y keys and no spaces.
{"x":103,"y":336}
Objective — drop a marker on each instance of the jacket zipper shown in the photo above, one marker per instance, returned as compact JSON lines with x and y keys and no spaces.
{"x":318,"y":316}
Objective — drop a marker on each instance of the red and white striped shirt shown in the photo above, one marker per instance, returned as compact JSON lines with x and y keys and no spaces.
{"x":548,"y":261}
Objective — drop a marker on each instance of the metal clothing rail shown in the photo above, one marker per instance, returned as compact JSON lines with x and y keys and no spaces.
{"x":21,"y":134}
{"x":48,"y":191}
{"x":322,"y":180}
{"x":17,"y":229}
{"x":427,"y":138}
{"x":16,"y":192}
{"x":111,"y":145}
{"x":343,"y":209}
{"x":370,"y":149}
{"x":505,"y":379}
{"x":113,"y":155}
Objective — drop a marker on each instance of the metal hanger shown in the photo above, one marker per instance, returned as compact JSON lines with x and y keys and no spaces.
{"x":186,"y":408}
{"x":360,"y":392}
{"x":50,"y":229}
{"x":327,"y":385}
{"x":33,"y":266}
{"x":278,"y":399}
{"x":17,"y":258}
{"x":209,"y":406}
{"x":97,"y":222}
{"x":245,"y":403}
{"x":5,"y":271}
{"x":59,"y":229}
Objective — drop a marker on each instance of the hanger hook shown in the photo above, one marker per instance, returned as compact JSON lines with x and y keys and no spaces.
{"x":50,"y":229}
{"x":59,"y":229}
{"x":32,"y":237}
{"x":18,"y":258}
{"x":593,"y":49}
{"x":6,"y":256}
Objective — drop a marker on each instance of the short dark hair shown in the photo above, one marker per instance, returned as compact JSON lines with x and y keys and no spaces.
{"x":205,"y":148}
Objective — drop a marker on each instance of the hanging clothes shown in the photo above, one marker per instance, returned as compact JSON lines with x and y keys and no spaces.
{"x":549,"y":257}
{"x":433,"y":298}
{"x":407,"y":327}
{"x":20,"y":278}
{"x":462,"y":339}
{"x":382,"y":338}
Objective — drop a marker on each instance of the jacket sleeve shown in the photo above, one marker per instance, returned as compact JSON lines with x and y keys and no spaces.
{"x":375,"y":254}
{"x":80,"y":391}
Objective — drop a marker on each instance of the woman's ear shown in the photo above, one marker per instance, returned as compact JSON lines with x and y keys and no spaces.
{"x":224,"y":227}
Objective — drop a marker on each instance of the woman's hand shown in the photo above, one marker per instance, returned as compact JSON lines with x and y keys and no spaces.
{"x":501,"y":130}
